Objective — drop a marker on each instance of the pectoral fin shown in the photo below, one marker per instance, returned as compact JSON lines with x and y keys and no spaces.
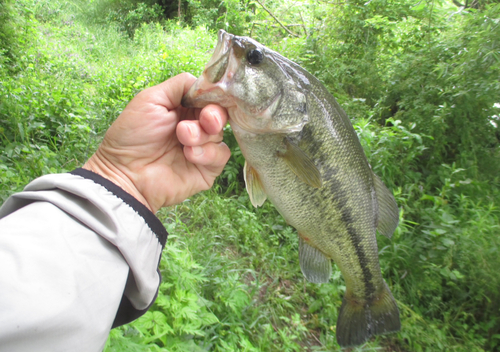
{"x":315,"y":266}
{"x":388,"y":212}
{"x":254,"y":186}
{"x":301,"y":165}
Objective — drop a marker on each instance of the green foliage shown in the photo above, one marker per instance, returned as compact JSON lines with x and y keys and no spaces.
{"x":7,"y":32}
{"x":232,"y":15}
{"x":461,"y":88}
{"x":228,"y":298}
{"x":72,"y":82}
{"x":131,"y":16}
{"x":421,"y":82}
{"x":427,"y":66}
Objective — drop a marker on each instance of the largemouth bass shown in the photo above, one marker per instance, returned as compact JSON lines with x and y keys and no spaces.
{"x":303,"y":154}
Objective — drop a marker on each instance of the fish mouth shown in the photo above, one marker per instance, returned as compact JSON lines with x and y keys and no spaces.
{"x":216,"y":85}
{"x":211,"y":85}
{"x":217,"y":65}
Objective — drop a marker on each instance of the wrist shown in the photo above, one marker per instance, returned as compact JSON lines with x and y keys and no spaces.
{"x":103,"y":167}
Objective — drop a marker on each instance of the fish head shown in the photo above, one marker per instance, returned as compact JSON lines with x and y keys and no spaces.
{"x":263,"y":91}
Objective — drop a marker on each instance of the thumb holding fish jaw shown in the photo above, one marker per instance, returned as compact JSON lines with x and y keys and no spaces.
{"x":160,"y":152}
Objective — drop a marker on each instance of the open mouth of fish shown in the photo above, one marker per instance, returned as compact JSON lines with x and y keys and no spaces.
{"x":224,"y":71}
{"x":212,"y":86}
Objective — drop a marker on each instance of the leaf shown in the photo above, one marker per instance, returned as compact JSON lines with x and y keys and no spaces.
{"x":209,"y":318}
{"x":313,"y":307}
{"x":158,"y":318}
{"x":447,"y":242}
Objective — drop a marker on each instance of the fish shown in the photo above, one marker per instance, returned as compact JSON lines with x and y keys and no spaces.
{"x":302,"y":153}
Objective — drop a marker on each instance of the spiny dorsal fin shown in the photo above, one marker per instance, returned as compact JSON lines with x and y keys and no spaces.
{"x":254,"y":186}
{"x":388,"y":212}
{"x":315,"y":266}
{"x":301,"y":165}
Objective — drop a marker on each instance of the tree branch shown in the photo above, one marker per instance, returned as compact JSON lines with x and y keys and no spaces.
{"x":303,"y":24}
{"x":266,"y":23}
{"x":333,"y":3}
{"x":281,"y":24}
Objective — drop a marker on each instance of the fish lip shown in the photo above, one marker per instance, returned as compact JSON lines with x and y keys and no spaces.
{"x":199,"y":96}
{"x":217,"y":65}
{"x":194,"y":97}
{"x":224,"y":40}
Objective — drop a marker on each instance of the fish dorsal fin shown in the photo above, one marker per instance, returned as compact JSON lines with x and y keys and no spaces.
{"x":388,"y":211}
{"x":301,"y":165}
{"x":254,"y":186}
{"x":315,"y":266}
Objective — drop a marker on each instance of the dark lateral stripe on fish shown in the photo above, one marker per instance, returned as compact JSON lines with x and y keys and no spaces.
{"x":313,"y":147}
{"x":306,"y":137}
{"x":346,"y":215}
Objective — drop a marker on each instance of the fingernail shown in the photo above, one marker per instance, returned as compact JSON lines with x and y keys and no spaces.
{"x":197,"y":151}
{"x":193,"y":131}
{"x":217,"y":117}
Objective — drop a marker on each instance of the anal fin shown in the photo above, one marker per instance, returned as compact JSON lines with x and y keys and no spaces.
{"x":315,"y":266}
{"x":254,"y":186}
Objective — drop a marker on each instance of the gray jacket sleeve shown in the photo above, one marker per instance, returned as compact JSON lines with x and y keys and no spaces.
{"x":78,"y":256}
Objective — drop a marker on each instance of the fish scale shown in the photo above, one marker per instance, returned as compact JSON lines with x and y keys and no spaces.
{"x":303,"y":154}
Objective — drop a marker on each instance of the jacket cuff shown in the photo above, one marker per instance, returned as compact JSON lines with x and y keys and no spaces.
{"x":127,"y":312}
{"x":151,"y":220}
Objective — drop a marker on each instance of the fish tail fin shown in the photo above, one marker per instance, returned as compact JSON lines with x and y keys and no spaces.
{"x":357,"y":321}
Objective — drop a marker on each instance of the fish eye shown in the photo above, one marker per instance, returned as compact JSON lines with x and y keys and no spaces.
{"x":255,"y":56}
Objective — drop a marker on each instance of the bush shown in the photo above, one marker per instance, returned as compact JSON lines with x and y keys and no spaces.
{"x":9,"y":45}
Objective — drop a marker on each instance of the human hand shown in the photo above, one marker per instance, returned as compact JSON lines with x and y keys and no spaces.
{"x":160,"y":152}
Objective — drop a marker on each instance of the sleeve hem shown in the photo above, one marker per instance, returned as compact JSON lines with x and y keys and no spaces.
{"x":151,"y":220}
